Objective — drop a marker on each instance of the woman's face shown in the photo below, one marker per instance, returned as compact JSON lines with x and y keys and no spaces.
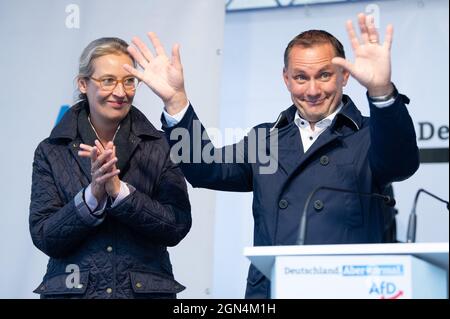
{"x":109,"y":103}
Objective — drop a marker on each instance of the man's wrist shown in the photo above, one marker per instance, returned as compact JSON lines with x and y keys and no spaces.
{"x":381,"y":92}
{"x":176,"y":104}
{"x":378,"y":96}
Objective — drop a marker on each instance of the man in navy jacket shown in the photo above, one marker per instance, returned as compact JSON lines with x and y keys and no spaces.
{"x":321,"y":140}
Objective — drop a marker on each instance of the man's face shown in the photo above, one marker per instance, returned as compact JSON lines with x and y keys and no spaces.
{"x":315,"y":83}
{"x":108,"y":106}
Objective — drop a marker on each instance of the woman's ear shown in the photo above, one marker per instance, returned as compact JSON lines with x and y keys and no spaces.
{"x":82,"y":85}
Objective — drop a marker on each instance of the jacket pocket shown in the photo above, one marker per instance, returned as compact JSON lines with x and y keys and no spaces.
{"x":152,"y":282}
{"x":350,"y":204}
{"x":61,"y":284}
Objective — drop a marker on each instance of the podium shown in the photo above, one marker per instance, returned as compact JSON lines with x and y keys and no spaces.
{"x":356,"y":271}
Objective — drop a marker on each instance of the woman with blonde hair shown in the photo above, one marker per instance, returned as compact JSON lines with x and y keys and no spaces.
{"x":106,"y":199}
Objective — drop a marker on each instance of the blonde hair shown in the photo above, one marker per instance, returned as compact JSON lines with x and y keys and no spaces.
{"x":96,"y":49}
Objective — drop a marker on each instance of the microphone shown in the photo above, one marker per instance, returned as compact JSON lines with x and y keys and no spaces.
{"x":411,"y":233}
{"x":388,"y":201}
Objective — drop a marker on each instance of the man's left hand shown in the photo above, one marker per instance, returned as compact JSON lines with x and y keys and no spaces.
{"x":372,"y":65}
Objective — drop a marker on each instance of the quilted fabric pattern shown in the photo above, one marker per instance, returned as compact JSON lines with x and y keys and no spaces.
{"x":133,"y":237}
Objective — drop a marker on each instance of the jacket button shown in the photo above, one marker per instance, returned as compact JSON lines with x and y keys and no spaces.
{"x":109,"y":249}
{"x":283,"y":204}
{"x":324,"y":160}
{"x":109,"y":290}
{"x":318,"y":205}
{"x":138,"y":285}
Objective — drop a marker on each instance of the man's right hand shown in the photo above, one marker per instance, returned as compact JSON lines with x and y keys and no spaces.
{"x":162,"y":75}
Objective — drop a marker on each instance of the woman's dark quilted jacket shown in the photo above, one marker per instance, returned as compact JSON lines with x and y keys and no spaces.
{"x":123,"y":253}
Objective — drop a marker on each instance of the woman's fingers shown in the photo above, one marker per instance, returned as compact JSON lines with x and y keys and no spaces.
{"x":107,"y":176}
{"x":86,"y":147}
{"x":94,"y":155}
{"x":84,"y":153}
{"x":99,"y":146}
{"x":100,"y":160}
{"x":85,"y":150}
{"x":103,"y":159}
{"x":107,"y":166}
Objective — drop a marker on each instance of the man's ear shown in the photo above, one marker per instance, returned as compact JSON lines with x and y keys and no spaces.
{"x":285,"y":77}
{"x":345,"y":75}
{"x":82,"y":85}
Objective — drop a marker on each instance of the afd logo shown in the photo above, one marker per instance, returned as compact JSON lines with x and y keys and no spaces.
{"x":372,"y":270}
{"x":385,"y":290}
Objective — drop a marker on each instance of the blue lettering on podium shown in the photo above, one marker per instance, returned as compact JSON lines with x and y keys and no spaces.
{"x":383,"y":288}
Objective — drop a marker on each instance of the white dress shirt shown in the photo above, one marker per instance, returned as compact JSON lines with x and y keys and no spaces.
{"x":308,"y":135}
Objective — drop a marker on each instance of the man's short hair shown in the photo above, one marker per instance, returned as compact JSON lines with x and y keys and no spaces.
{"x":312,"y":38}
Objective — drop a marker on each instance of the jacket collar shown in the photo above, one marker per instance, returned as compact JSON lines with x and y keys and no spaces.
{"x":348,"y":116}
{"x":290,"y":151}
{"x":74,"y":128}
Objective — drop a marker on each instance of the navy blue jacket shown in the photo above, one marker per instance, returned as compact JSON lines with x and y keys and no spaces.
{"x":355,"y":153}
{"x":124,"y":253}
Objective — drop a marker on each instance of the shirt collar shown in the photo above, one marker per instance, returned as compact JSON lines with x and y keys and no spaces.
{"x":324,"y":123}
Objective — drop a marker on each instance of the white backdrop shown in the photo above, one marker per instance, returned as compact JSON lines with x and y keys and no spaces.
{"x":41,"y":43}
{"x":253,"y":92}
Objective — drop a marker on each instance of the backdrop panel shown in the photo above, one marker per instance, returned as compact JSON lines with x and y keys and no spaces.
{"x":42,"y":41}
